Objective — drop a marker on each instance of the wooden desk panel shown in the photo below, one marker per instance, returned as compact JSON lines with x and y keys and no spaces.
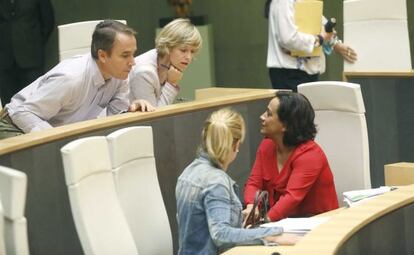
{"x":382,"y":225}
{"x":177,"y":131}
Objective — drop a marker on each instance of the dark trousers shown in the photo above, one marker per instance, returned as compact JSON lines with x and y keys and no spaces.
{"x":282,"y":78}
{"x":7,"y":127}
{"x":14,"y":79}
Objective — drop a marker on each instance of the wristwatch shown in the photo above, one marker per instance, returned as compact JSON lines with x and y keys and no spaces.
{"x":318,"y":40}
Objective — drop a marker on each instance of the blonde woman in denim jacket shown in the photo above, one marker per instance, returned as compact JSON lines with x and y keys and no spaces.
{"x":209,"y":210}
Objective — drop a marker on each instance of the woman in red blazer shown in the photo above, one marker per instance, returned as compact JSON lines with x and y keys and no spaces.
{"x":289,"y":164}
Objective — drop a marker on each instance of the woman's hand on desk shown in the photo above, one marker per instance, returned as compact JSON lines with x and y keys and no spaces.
{"x":247,"y":211}
{"x":141,"y":105}
{"x":283,"y":239}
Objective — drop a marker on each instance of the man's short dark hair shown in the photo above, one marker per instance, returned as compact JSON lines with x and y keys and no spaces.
{"x":104,"y":35}
{"x":297,"y":114}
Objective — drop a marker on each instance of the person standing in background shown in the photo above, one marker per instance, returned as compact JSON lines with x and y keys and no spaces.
{"x":25,"y":26}
{"x":286,"y":71}
{"x":157,"y":72}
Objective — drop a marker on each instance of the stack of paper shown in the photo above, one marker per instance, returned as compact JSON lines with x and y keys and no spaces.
{"x":297,"y":225}
{"x":352,"y":197}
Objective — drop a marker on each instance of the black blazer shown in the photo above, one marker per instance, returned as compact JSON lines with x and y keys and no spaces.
{"x":24,"y":29}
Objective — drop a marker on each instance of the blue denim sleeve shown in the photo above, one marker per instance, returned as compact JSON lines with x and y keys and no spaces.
{"x":221,"y":212}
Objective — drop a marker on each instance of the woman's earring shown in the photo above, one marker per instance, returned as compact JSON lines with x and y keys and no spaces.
{"x":237,"y":150}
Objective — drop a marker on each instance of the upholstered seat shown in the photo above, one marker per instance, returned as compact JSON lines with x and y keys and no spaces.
{"x":135,"y":174}
{"x":342,"y":131}
{"x":13,"y":187}
{"x":76,"y":38}
{"x":2,"y":245}
{"x":99,"y":220}
{"x":370,"y":27}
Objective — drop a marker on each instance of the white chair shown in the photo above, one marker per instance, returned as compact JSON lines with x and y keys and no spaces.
{"x":342,"y":131}
{"x":13,"y":186}
{"x":76,"y":38}
{"x":356,"y":10}
{"x":99,"y":220}
{"x":2,"y":246}
{"x":370,"y":27}
{"x":133,"y":166}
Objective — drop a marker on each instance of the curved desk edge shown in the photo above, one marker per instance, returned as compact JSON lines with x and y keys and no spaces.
{"x":45,"y":136}
{"x":343,"y":224}
{"x":345,"y":75}
{"x":330,"y":236}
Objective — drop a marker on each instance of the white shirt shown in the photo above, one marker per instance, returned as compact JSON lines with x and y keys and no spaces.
{"x":145,"y":83}
{"x":284,"y":35}
{"x":72,"y":91}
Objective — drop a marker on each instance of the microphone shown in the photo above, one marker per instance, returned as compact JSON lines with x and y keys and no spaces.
{"x":330,"y":25}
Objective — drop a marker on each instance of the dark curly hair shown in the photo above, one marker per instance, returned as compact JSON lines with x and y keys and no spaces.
{"x":297,"y":114}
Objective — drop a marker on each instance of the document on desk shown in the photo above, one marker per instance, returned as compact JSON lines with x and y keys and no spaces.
{"x":352,"y":198}
{"x":297,"y":225}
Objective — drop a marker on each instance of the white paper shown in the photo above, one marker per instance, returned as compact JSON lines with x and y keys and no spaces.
{"x":297,"y":225}
{"x":357,"y":195}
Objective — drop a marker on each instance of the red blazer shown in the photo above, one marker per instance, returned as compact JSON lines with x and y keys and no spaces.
{"x":304,"y":186}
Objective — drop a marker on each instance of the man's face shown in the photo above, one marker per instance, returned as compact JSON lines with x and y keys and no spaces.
{"x":118,"y":63}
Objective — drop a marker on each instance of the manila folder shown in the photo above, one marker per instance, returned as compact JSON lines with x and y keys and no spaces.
{"x":308,"y":19}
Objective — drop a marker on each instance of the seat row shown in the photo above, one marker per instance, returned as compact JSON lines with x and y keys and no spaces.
{"x":114,"y":193}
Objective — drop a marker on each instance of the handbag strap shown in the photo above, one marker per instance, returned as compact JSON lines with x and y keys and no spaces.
{"x":261,"y":197}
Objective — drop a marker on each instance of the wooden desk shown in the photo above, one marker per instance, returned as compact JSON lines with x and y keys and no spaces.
{"x":177,"y":131}
{"x":382,"y":225}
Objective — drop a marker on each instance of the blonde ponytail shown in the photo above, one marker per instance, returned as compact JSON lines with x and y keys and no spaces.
{"x":222,"y":130}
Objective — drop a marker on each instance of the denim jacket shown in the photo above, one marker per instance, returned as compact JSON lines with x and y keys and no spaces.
{"x":209,"y":211}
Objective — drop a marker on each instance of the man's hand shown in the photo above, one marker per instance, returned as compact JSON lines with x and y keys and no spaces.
{"x":174,"y":75}
{"x":283,"y":239}
{"x":347,"y":52}
{"x":141,"y":105}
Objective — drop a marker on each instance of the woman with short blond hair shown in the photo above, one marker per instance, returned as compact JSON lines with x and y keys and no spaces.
{"x":157,"y":72}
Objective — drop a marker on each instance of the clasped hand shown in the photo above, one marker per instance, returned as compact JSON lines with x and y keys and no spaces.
{"x":174,"y":75}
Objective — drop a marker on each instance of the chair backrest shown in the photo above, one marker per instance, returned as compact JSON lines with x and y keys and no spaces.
{"x":133,"y":166}
{"x":76,"y":38}
{"x":13,"y":186}
{"x":2,"y":246}
{"x":342,"y":131}
{"x":99,"y":220}
{"x":377,"y":52}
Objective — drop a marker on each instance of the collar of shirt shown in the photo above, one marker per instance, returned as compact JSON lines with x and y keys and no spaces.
{"x":98,"y":79}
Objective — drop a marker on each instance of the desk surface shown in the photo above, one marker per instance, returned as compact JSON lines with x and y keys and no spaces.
{"x":176,"y":135}
{"x":205,"y":100}
{"x":384,"y":74}
{"x":343,"y":224}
